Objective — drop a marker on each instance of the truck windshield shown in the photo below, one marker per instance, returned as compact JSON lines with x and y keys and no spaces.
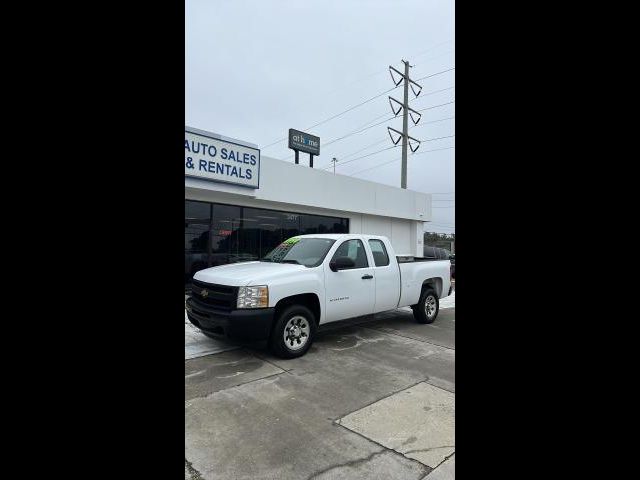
{"x":309,"y":252}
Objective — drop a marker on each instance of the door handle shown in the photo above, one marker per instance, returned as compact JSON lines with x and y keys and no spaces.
{"x":367,"y":277}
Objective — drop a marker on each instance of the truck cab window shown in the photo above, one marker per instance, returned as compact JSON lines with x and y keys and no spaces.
{"x":380,"y":256}
{"x":354,"y":249}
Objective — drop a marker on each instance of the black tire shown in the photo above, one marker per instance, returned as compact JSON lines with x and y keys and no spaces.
{"x":211,"y":335}
{"x":301,"y":317}
{"x":419,"y":310}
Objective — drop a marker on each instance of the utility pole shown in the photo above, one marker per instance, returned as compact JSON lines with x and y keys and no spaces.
{"x":405,"y":126}
{"x":406,"y":112}
{"x":334,"y":165}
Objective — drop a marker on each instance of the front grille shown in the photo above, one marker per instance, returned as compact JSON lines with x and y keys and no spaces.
{"x":218,"y":296}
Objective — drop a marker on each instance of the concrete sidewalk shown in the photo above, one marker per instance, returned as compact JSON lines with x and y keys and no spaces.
{"x":373,"y":398}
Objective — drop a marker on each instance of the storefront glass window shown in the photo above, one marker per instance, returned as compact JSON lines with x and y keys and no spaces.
{"x":225,"y":235}
{"x":197,"y":220}
{"x":217,"y":234}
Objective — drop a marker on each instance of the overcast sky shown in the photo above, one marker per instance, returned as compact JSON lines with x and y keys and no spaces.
{"x":254,"y":69}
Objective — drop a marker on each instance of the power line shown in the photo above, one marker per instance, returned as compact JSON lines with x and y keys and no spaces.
{"x":427,"y":151}
{"x":336,"y":115}
{"x":436,"y":138}
{"x":434,"y":74}
{"x":422,"y":95}
{"x":432,"y":121}
{"x":413,"y":126}
{"x":358,"y":151}
{"x":360,"y":130}
{"x":381,"y":141}
{"x":377,"y":143}
{"x":379,"y":72}
{"x":366,"y":101}
{"x":350,"y":109}
{"x":367,"y":128}
{"x":432,"y":48}
{"x":362,"y":149}
{"x":349,"y":134}
{"x":433,"y":58}
{"x":369,"y":154}
{"x":436,"y":106}
{"x":397,"y":160}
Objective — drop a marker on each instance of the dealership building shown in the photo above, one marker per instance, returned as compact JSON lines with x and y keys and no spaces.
{"x":239,"y":204}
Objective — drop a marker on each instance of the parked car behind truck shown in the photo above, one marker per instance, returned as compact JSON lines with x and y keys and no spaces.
{"x":310,"y":280}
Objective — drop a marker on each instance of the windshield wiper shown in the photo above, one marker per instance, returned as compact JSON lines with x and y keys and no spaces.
{"x":290,"y":261}
{"x":266,"y":260}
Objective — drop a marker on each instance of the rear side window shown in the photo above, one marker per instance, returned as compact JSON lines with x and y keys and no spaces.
{"x":354,"y":249}
{"x":380,"y":257}
{"x":429,"y":252}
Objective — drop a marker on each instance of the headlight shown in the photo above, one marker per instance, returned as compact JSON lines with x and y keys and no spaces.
{"x":253,"y":297}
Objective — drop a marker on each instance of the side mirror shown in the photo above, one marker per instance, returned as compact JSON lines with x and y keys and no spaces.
{"x":341,"y":263}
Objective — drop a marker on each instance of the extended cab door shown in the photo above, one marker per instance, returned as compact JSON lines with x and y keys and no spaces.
{"x":387,"y":277}
{"x":349,"y":292}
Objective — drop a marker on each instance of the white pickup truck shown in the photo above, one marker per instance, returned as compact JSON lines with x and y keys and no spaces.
{"x":310,"y":280}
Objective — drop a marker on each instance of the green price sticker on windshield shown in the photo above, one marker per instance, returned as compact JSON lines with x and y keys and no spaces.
{"x":292,"y":240}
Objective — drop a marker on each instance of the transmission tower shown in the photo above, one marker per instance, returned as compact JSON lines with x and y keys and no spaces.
{"x":406,"y":113}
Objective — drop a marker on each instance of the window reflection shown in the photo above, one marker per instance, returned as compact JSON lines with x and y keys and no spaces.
{"x":225,"y":234}
{"x":217,"y":234}
{"x":197,"y":219}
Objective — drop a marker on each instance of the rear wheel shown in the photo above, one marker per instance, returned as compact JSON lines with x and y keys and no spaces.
{"x":293,"y":332}
{"x":426,"y":310}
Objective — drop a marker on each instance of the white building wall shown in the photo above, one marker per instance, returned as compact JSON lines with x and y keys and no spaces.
{"x":286,"y":182}
{"x":372,"y":208}
{"x":405,"y":235}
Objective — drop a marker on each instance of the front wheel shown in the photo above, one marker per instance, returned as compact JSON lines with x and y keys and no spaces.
{"x":293,"y":332}
{"x":426,"y":310}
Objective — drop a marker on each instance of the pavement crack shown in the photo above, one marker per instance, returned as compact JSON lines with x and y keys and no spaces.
{"x":261,"y":357}
{"x":387,"y":449}
{"x":193,"y":473}
{"x":350,"y":463}
{"x":208,"y":394}
{"x":443,"y":461}
{"x":427,"y":449}
{"x":394,"y":332}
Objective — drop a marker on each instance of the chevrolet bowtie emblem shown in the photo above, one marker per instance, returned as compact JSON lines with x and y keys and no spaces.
{"x":204,"y":293}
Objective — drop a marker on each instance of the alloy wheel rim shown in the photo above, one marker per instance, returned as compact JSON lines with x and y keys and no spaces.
{"x":296,"y":332}
{"x":430,"y":306}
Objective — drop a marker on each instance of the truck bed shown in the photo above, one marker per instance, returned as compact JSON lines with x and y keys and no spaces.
{"x":413,"y":272}
{"x":412,"y":259}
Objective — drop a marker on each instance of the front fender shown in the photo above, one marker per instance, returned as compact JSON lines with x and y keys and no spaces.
{"x":298,"y":284}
